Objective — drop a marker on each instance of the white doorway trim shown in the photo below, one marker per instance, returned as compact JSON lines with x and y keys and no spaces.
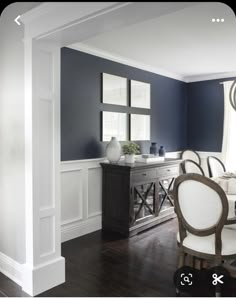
{"x":49,"y":27}
{"x":44,"y":267}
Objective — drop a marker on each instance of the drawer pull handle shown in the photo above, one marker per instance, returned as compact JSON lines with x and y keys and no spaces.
{"x":144,"y":174}
{"x":168,"y":169}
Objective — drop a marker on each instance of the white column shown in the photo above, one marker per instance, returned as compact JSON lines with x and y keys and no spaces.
{"x":44,"y":267}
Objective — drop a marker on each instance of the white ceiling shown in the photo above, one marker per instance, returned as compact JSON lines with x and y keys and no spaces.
{"x":184,"y":43}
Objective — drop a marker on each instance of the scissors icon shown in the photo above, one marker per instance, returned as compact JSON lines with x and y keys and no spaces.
{"x":186,"y":280}
{"x":217,"y":279}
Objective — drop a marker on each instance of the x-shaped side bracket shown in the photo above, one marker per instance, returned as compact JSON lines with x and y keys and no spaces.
{"x":166,"y":193}
{"x":144,"y":200}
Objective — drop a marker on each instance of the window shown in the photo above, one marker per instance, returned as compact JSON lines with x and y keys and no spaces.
{"x":229,"y":140}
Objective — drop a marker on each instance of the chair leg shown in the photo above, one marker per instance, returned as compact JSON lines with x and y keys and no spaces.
{"x":181,"y":259}
{"x":201,"y":264}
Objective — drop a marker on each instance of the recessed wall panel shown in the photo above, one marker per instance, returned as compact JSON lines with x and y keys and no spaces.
{"x":71,"y":196}
{"x":47,"y":238}
{"x":45,"y":153}
{"x":94,"y":191}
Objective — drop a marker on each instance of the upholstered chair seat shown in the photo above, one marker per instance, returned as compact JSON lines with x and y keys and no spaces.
{"x":207,"y":244}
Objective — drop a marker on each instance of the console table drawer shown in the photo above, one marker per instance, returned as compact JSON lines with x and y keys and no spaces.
{"x":144,"y":175}
{"x":167,"y":171}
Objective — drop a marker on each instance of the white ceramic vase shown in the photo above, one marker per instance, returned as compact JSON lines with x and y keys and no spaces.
{"x":113,"y":150}
{"x":129,"y":159}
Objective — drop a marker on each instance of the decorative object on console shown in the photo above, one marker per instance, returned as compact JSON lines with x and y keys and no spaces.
{"x":149,"y":159}
{"x":129,"y":150}
{"x":113,"y":150}
{"x":153,"y":148}
{"x":162,"y":151}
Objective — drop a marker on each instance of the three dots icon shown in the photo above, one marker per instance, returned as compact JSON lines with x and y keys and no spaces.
{"x":218,"y":20}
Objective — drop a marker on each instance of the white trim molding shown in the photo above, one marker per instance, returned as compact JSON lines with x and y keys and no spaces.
{"x":156,"y":70}
{"x":77,"y":229}
{"x":121,"y":59}
{"x":33,"y":280}
{"x":42,"y":168}
{"x":81,"y":211}
{"x":81,"y":189}
{"x":43,"y":277}
{"x":11,"y":268}
{"x":50,"y":18}
{"x":197,"y":78}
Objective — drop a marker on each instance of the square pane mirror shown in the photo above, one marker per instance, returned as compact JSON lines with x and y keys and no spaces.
{"x":140,"y":127}
{"x":114,"y":124}
{"x":140,"y":94}
{"x":114,"y":90}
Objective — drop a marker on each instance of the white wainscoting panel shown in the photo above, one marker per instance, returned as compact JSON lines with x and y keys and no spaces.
{"x":81,"y":197}
{"x":94,"y":191}
{"x":71,"y":195}
{"x":81,"y":194}
{"x":46,"y":225}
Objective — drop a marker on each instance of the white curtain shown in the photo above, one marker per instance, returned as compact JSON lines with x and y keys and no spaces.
{"x":229,"y":137}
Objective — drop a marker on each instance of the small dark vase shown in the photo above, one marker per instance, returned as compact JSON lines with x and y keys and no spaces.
{"x":162,"y":151}
{"x":153,"y":148}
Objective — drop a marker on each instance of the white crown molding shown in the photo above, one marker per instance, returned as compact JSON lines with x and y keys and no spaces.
{"x":48,"y":7}
{"x":38,"y":11}
{"x":120,"y":59}
{"x":133,"y":63}
{"x":198,"y":78}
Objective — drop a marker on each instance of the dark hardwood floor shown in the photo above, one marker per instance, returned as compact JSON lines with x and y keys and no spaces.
{"x":108,"y":265}
{"x":102,"y":265}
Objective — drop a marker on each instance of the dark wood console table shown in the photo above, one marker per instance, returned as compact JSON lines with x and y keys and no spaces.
{"x":137,"y":196}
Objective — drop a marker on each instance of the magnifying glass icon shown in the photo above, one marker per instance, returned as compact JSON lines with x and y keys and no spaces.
{"x":186,"y":279}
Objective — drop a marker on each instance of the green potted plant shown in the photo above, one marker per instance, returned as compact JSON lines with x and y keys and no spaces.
{"x":129,"y":150}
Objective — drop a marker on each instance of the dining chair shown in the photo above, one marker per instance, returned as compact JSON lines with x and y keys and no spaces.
{"x":215,"y":167}
{"x":189,"y":166}
{"x":202,"y":208}
{"x":189,"y":154}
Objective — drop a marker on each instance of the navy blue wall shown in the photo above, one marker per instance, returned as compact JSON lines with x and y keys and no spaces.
{"x":81,"y":105}
{"x":205,"y":115}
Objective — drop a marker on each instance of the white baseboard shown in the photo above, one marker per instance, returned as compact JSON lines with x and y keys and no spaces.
{"x":77,"y":229}
{"x":11,"y":268}
{"x":43,"y":277}
{"x":37,"y":280}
